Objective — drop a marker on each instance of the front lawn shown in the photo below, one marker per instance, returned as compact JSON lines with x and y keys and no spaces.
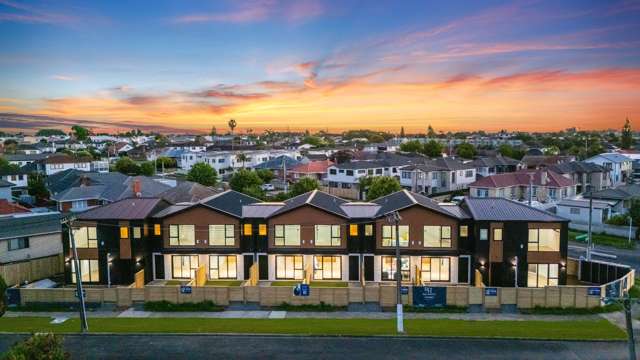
{"x":556,"y":330}
{"x":223,"y":283}
{"x":606,"y":240}
{"x":634,"y":292}
{"x":313,"y":283}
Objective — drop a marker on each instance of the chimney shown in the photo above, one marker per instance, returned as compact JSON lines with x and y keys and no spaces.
{"x":544,"y":177}
{"x":85,"y":181}
{"x":137,"y":188}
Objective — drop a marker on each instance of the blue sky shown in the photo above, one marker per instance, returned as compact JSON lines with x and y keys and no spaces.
{"x":317,"y":64}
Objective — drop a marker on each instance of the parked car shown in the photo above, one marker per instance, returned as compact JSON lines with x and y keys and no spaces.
{"x":267,"y":187}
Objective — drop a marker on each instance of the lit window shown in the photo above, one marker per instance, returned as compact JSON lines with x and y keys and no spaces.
{"x":137,"y":233}
{"x":184,"y":266}
{"x":484,"y":234}
{"x":389,"y":268}
{"x":247,"y":229}
{"x":544,"y":240}
{"x":497,"y":234}
{"x":327,"y":235}
{"x":289,"y":267}
{"x":85,"y":237}
{"x":464,"y":231}
{"x":221,"y":235}
{"x":353,"y":229}
{"x":437,"y":236}
{"x":389,"y":235}
{"x":541,"y":275}
{"x":182,"y":235}
{"x":435,"y":269}
{"x":223,"y":267}
{"x":368,"y":230}
{"x":156,"y":229}
{"x":89,"y":271}
{"x":262,"y":229}
{"x":124,"y":232}
{"x":287,"y":235}
{"x":327,"y":267}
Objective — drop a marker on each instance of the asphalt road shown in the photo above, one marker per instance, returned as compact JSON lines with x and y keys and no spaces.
{"x":626,"y":257}
{"x":287,"y":347}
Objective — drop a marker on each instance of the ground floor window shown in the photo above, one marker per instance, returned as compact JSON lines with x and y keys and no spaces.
{"x":435,"y":269}
{"x":327,"y":267}
{"x":389,"y":268}
{"x":89,"y":271}
{"x":541,"y":275}
{"x":223,"y":267}
{"x":184,"y":266}
{"x":289,"y":267}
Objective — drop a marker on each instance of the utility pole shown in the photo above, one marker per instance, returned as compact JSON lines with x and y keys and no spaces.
{"x":284,"y":173}
{"x":394,"y":219}
{"x":530,"y":189}
{"x":630,"y":224}
{"x":589,"y":242}
{"x":627,"y":303}
{"x":84,"y":326}
{"x":516,"y":270}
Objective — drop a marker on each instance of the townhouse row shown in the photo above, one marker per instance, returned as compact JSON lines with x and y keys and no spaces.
{"x":489,"y":240}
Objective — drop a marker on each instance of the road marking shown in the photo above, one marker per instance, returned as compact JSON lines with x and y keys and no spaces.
{"x":277,"y":315}
{"x":59,"y":320}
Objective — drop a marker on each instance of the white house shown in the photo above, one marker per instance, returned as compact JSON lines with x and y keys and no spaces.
{"x":577,"y":210}
{"x":223,"y":161}
{"x":620,"y":166}
{"x":61,"y":162}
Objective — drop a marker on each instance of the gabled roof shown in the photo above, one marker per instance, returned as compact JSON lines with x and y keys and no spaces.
{"x":491,"y":161}
{"x":7,"y":208}
{"x":522,"y":178}
{"x":576,"y":167}
{"x":403,"y":199}
{"x":451,"y":164}
{"x":125,"y":209}
{"x":360,"y":210}
{"x":313,"y":167}
{"x":278,"y":163}
{"x":500,"y":209}
{"x":187,"y":191}
{"x":613,"y":157}
{"x":537,"y":160}
{"x":229,"y":202}
{"x":29,"y":224}
{"x":315,"y":198}
{"x":622,"y":192}
{"x":66,"y":159}
{"x":261,"y":210}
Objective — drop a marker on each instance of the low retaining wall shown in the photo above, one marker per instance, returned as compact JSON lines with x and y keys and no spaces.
{"x":616,"y":230}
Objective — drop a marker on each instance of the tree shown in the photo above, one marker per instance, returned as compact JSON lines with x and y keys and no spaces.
{"x":552,"y":150}
{"x":341,"y":156}
{"x":127,"y":166}
{"x":38,"y":346}
{"x":254,"y":191}
{"x":509,"y":151}
{"x":413,"y":146}
{"x":36,"y":186}
{"x":303,"y":185}
{"x":265,"y":175}
{"x":430,"y":132}
{"x":164,"y":162}
{"x":213,"y":131}
{"x":242,"y":157}
{"x":402,"y":131}
{"x":634,"y":214}
{"x":232,"y":125}
{"x":381,"y":186}
{"x":10,"y":146}
{"x":3,"y":289}
{"x":432,"y":148}
{"x":626,"y":140}
{"x":50,"y":132}
{"x":203,"y":174}
{"x":147,"y":168}
{"x":466,"y":151}
{"x":7,"y":167}
{"x":313,"y":140}
{"x":80,"y":133}
{"x":244,"y":179}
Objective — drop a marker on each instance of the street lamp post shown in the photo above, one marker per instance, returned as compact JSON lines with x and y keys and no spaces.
{"x":84,"y":326}
{"x":394,"y":219}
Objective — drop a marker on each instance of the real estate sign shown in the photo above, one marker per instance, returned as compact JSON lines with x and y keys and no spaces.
{"x":429,"y":296}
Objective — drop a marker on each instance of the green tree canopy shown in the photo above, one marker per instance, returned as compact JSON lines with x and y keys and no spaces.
{"x":626,"y":140}
{"x":432,"y":148}
{"x":80,"y":132}
{"x":127,"y":166}
{"x":265,"y":175}
{"x":203,"y":174}
{"x":166,"y":163}
{"x":50,"y":132}
{"x":466,"y":151}
{"x":147,"y":168}
{"x":381,"y":186}
{"x":36,"y":186}
{"x":413,"y":146}
{"x":244,"y":179}
{"x":6,"y":166}
{"x":303,"y":185}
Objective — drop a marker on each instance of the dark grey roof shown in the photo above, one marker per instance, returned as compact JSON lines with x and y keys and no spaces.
{"x":80,"y":193}
{"x":230,"y":202}
{"x":500,"y":209}
{"x":404,"y":199}
{"x":260,"y":210}
{"x":170,"y":210}
{"x":29,"y":224}
{"x":318,"y":199}
{"x":455,"y":210}
{"x":278,"y":163}
{"x":4,"y":183}
{"x":622,"y":192}
{"x":26,"y":157}
{"x":576,"y":167}
{"x":450,"y":164}
{"x":66,"y":179}
{"x":187,"y":191}
{"x":125,"y":209}
{"x":360,"y":210}
{"x":491,"y":161}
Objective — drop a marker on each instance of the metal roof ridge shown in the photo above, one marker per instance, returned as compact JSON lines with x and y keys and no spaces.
{"x":313,"y":194}
{"x":410,"y":196}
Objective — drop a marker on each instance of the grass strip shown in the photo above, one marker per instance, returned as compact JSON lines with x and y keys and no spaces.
{"x":599,"y":329}
{"x":165,"y":306}
{"x":223,"y":283}
{"x":606,"y":240}
{"x":322,"y":307}
{"x":573,"y":311}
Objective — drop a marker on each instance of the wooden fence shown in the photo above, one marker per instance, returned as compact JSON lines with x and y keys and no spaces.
{"x":35,"y":269}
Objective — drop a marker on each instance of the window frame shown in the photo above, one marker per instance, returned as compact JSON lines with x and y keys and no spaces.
{"x":431,"y":267}
{"x":405,"y":273}
{"x":217,"y":268}
{"x":192,"y":269}
{"x":282,"y":239}
{"x":444,"y":242}
{"x":335,"y":238}
{"x":389,"y":241}
{"x":178,"y":229}
{"x":22,"y":243}
{"x":548,"y":274}
{"x":536,"y":247}
{"x":319,"y":266}
{"x":296,"y":270}
{"x":91,"y":243}
{"x":94,"y":269}
{"x":498,"y":230}
{"x":229,"y":233}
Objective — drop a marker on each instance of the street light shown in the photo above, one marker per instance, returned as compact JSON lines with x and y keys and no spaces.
{"x":394,"y":219}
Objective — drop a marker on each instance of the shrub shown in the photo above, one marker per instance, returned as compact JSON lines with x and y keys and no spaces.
{"x":441,"y":309}
{"x":3,"y":289}
{"x":618,"y":220}
{"x":38,"y":346}
{"x":165,"y":306}
{"x":322,"y":307}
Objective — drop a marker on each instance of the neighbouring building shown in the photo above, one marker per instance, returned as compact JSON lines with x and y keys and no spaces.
{"x":538,"y":161}
{"x":319,"y":236}
{"x":60,"y":162}
{"x":312,"y":169}
{"x":577,"y":210}
{"x":492,"y":165}
{"x":543,"y":186}
{"x":619,"y":197}
{"x":619,"y":165}
{"x":30,"y":246}
{"x":587,"y":176}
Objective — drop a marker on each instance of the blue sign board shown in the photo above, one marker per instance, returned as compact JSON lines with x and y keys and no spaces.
{"x":404,"y":290}
{"x":185,"y":289}
{"x":84,"y":293}
{"x":613,"y":290}
{"x":301,"y":290}
{"x":427,"y":296}
{"x":490,"y":291}
{"x":594,"y":291}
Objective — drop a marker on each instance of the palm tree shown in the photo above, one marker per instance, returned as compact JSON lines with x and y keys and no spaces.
{"x":242,"y":157}
{"x":232,"y":125}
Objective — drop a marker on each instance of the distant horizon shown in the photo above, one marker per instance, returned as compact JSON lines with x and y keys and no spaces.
{"x":321,"y":64}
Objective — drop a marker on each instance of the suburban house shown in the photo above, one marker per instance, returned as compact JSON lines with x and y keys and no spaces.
{"x":25,"y":159}
{"x":619,"y":197}
{"x":587,"y":176}
{"x":5,"y":190}
{"x":227,"y":161}
{"x":312,"y":169}
{"x":544,"y":186}
{"x":436,"y":176}
{"x":538,"y":161}
{"x":60,"y":162}
{"x":577,"y":210}
{"x":324,"y":238}
{"x":30,"y":246}
{"x":492,"y":165}
{"x":18,"y":177}
{"x":619,"y":165}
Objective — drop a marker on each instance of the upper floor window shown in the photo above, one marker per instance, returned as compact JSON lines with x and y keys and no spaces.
{"x":497,"y":234}
{"x":437,"y":236}
{"x":327,"y":235}
{"x":464,"y":230}
{"x":482,"y":192}
{"x":18,"y":243}
{"x":86,"y":237}
{"x":287,"y":235}
{"x":221,"y":235}
{"x":353,"y":229}
{"x":137,"y":232}
{"x":247,"y":229}
{"x":368,"y":230}
{"x":262,"y":229}
{"x":157,"y":229}
{"x":389,"y":235}
{"x":182,"y":235}
{"x":544,"y":240}
{"x":124,"y":232}
{"x":484,"y":234}
{"x":349,"y":172}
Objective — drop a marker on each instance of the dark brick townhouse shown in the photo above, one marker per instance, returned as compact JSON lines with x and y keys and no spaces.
{"x":483,"y":240}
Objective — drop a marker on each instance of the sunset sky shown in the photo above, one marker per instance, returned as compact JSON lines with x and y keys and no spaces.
{"x":314,"y":64}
